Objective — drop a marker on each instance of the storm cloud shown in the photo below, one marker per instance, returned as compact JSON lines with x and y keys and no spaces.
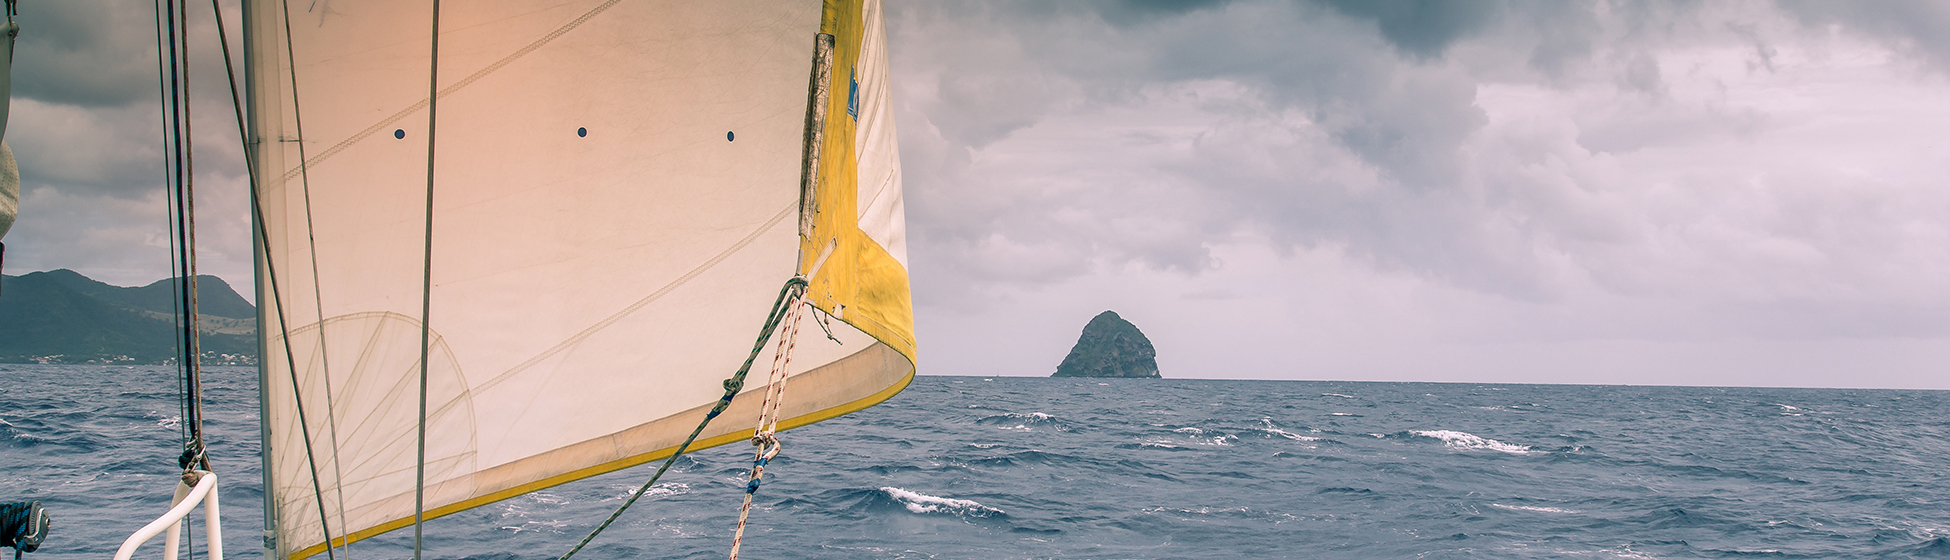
{"x":1741,"y":193}
{"x":1677,"y":178}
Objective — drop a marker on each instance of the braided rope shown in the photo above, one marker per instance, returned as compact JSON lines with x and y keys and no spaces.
{"x":764,"y":435}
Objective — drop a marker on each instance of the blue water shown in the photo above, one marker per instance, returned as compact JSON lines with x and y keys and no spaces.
{"x":971,"y":467}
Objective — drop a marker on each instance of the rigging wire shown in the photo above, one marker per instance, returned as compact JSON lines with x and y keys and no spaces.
{"x":164,"y":105}
{"x":193,"y":363}
{"x":277,"y":296}
{"x":317,"y":286}
{"x":179,"y":185}
{"x":426,"y":286}
{"x":318,"y":305}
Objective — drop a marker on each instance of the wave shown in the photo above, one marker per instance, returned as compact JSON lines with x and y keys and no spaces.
{"x":1025,"y":422}
{"x":922,"y":503}
{"x":1465,"y":440}
{"x":1266,"y":425}
{"x":1539,"y":509}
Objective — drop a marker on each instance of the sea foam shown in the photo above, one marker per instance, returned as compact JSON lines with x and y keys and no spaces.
{"x":1465,"y":440}
{"x":922,"y":503}
{"x":1538,"y":509}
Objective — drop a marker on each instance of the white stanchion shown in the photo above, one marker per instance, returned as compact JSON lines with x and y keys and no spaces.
{"x":206,"y":488}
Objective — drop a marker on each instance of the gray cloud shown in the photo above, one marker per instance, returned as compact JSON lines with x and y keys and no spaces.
{"x":86,"y":53}
{"x":1917,"y":27}
{"x":1383,"y":184}
{"x":85,"y":126}
{"x":1423,"y":28}
{"x":1046,"y":144}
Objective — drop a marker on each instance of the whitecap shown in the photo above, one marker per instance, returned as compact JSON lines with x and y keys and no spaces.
{"x":1337,"y":395}
{"x":922,"y":503}
{"x":1268,"y":427}
{"x":1189,"y":431}
{"x":1289,"y":435}
{"x":1538,"y":509}
{"x":1218,"y":441}
{"x":658,"y":491}
{"x":1464,"y":440}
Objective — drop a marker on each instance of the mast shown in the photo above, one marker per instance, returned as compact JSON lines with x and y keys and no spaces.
{"x":253,"y":144}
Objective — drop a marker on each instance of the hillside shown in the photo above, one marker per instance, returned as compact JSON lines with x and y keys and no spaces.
{"x":61,"y":316}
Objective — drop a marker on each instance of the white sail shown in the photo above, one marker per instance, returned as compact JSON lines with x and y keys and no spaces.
{"x":9,"y":188}
{"x":616,"y":195}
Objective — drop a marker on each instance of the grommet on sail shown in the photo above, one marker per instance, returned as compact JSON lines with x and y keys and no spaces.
{"x":603,"y":252}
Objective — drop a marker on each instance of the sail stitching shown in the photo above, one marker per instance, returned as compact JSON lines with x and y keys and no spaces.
{"x":449,"y":90}
{"x":647,"y":300}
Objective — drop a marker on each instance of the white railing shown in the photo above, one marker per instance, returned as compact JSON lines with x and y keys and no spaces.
{"x":185,"y":500}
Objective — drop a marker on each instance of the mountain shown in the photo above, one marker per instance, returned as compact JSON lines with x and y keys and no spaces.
{"x":1110,"y":347}
{"x":60,"y":316}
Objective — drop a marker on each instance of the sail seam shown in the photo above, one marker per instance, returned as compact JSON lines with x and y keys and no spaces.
{"x":647,"y":300}
{"x":449,"y":90}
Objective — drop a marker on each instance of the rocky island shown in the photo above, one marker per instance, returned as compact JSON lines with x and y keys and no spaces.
{"x":1110,"y":347}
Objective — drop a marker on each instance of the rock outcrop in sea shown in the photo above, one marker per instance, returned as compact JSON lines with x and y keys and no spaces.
{"x":1110,"y":347}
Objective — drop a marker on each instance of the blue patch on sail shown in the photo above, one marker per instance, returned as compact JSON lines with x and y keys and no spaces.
{"x":853,"y":96}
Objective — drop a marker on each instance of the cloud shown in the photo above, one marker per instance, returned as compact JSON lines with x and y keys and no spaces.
{"x":1542,"y":153}
{"x":89,"y":53}
{"x":85,"y":126}
{"x":1385,"y":185}
{"x":1919,"y":28}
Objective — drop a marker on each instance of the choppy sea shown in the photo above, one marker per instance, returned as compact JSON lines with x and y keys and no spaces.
{"x":1012,"y":467}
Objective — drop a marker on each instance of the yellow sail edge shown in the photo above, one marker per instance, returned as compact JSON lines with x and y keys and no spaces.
{"x":619,"y":464}
{"x":869,"y":288}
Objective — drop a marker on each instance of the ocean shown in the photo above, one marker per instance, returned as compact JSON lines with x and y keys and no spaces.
{"x":1014,"y":467}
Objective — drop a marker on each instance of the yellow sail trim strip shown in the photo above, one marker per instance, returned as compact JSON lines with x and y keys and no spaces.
{"x":864,"y":285}
{"x":612,"y":466}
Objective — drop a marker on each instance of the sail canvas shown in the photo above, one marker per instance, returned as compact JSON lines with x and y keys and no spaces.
{"x":616,"y":202}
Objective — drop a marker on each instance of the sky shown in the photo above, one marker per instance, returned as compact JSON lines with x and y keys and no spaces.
{"x":1654,"y":193}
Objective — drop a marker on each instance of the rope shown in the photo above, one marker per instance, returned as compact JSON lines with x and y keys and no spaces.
{"x":23,"y":525}
{"x":193,"y":365}
{"x":792,"y":290}
{"x":162,"y":99}
{"x":764,"y":435}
